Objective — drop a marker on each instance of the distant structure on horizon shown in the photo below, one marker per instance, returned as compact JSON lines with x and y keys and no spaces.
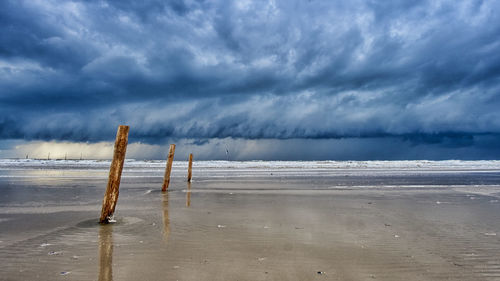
{"x":227,"y":153}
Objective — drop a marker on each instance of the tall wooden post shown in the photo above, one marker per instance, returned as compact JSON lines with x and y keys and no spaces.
{"x":115,"y":174}
{"x":168,"y":169}
{"x":190,"y":167}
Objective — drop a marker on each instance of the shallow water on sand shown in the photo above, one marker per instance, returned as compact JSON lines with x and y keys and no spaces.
{"x":252,"y":221}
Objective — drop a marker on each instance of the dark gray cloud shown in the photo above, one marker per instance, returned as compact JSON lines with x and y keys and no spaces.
{"x":424,"y":72}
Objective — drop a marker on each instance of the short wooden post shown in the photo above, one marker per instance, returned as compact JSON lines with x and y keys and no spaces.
{"x":115,"y":174}
{"x":168,"y":169}
{"x":190,"y":167}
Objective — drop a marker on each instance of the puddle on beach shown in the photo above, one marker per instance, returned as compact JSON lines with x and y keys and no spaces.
{"x":291,"y":229}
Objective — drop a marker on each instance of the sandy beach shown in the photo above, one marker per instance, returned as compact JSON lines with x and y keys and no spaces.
{"x":408,"y":220}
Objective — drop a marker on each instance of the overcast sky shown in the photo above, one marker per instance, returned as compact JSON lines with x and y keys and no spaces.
{"x":289,"y":79}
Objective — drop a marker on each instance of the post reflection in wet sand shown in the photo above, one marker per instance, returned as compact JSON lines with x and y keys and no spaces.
{"x":166,"y":220}
{"x":106,"y":253}
{"x":188,"y":195}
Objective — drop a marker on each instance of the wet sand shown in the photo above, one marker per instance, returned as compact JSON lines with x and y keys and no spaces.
{"x":269,"y":225}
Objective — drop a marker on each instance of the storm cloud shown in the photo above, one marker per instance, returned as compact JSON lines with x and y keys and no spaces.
{"x":419,"y":72}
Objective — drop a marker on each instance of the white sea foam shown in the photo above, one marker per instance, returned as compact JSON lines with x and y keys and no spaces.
{"x":220,"y":169}
{"x":131,"y":163}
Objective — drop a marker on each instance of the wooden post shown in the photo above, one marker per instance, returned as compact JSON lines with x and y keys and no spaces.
{"x":168,"y":169}
{"x":115,"y":174}
{"x":190,"y":167}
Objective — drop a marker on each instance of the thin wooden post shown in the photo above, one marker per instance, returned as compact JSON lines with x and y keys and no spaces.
{"x":190,"y":167}
{"x":168,"y":169}
{"x":115,"y":174}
